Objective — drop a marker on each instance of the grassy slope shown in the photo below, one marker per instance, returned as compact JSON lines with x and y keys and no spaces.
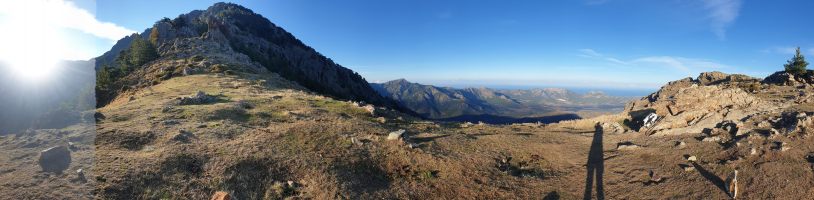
{"x":306,"y":138}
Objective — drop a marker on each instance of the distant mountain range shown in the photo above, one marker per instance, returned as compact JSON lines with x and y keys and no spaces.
{"x":498,"y":105}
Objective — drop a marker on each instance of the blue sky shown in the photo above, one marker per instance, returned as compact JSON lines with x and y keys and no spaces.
{"x":591,"y":43}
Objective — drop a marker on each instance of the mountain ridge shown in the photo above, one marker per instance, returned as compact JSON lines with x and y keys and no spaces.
{"x":494,"y":105}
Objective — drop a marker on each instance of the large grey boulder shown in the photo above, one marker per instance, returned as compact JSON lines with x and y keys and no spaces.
{"x":55,"y":159}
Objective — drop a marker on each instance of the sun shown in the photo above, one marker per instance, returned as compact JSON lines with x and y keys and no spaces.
{"x":31,"y":44}
{"x":32,"y":69}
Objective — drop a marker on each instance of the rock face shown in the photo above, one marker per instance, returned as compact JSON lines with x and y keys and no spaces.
{"x":55,"y":159}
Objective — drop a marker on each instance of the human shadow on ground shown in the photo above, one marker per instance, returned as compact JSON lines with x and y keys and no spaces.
{"x":712,"y":178}
{"x":595,"y":166}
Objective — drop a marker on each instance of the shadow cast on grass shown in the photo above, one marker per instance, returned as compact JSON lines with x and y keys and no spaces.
{"x":595,"y":166}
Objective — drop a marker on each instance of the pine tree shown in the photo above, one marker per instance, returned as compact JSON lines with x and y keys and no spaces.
{"x":139,"y":53}
{"x":797,"y":64}
{"x":104,"y":78}
{"x":142,"y":52}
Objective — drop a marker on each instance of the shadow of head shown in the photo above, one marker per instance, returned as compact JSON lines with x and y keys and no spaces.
{"x":552,"y":196}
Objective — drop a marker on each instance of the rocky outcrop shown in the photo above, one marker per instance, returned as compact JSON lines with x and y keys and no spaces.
{"x":788,"y":79}
{"x":692,"y":105}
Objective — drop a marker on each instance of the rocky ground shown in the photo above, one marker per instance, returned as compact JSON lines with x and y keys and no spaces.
{"x":263,"y":137}
{"x":205,"y":120}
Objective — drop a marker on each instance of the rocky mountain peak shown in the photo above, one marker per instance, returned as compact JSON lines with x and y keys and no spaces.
{"x":228,"y":37}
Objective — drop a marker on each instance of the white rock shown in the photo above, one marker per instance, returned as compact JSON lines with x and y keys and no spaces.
{"x":711,"y":139}
{"x":650,"y":120}
{"x":680,"y":144}
{"x":692,"y":158}
{"x":395,"y":135}
{"x":688,"y":168}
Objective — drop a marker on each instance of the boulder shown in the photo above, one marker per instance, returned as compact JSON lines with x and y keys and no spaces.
{"x":221,"y":195}
{"x":395,"y":135}
{"x":198,"y":98}
{"x":55,"y":159}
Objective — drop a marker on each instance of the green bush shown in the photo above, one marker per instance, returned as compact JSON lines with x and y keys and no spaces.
{"x":797,"y":64}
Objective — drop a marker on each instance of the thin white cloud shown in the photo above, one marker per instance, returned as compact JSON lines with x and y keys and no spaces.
{"x":590,"y":53}
{"x":62,"y":14}
{"x":722,"y":13}
{"x":678,"y":63}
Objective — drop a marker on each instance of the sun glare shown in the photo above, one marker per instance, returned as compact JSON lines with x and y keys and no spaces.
{"x":32,"y":43}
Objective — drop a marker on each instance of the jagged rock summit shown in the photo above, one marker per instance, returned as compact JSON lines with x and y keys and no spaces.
{"x":228,"y":38}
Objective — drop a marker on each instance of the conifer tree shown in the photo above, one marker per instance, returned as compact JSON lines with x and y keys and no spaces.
{"x":797,"y":64}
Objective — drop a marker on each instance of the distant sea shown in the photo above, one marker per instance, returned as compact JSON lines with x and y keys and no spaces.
{"x":622,"y":92}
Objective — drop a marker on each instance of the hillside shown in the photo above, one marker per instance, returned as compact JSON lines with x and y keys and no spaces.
{"x":497,"y":106}
{"x":252,"y":134}
{"x":205,"y":119}
{"x":228,"y":37}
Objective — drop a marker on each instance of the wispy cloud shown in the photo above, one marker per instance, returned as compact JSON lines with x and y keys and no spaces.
{"x":63,"y":14}
{"x":722,"y":13}
{"x":679,"y":63}
{"x":590,"y":53}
